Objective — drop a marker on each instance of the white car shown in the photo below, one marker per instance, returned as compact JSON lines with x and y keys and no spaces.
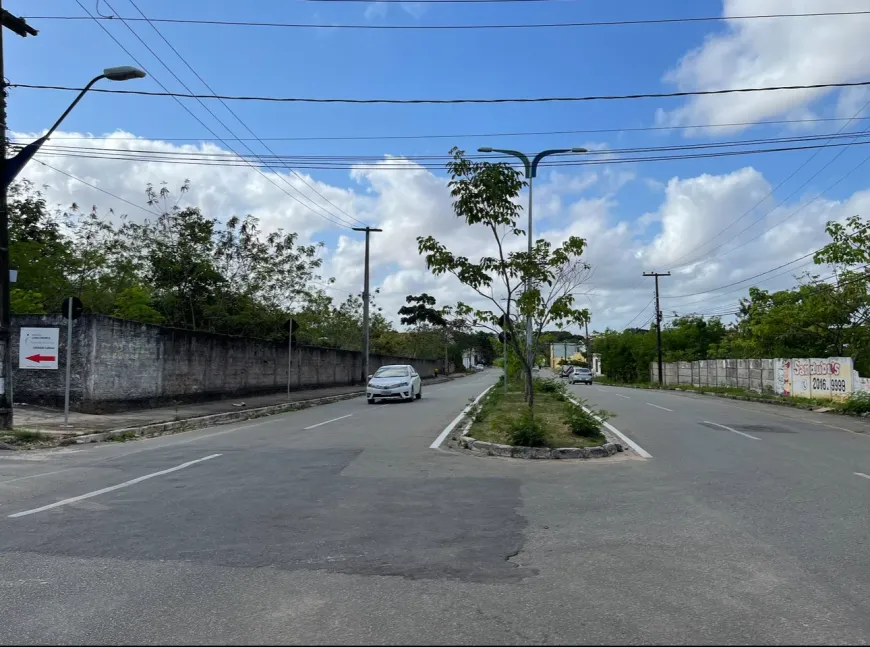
{"x":581,"y":375}
{"x":394,"y":382}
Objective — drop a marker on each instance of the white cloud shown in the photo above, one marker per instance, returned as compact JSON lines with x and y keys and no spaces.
{"x":411,"y":203}
{"x":756,"y":53}
{"x":375,"y":10}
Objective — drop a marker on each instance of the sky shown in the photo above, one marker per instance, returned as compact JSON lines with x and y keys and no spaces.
{"x":712,"y":222}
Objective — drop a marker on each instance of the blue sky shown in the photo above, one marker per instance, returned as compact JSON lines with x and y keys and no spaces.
{"x":442,"y":64}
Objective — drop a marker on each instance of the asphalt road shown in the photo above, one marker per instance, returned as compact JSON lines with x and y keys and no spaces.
{"x":338,"y":524}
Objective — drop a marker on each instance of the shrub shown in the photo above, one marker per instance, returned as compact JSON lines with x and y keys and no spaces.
{"x":858,"y":402}
{"x":549,"y":385}
{"x":583,"y":423}
{"x":524,"y":431}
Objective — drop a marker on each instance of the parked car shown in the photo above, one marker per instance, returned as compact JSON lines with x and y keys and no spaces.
{"x":394,"y":382}
{"x":581,"y":375}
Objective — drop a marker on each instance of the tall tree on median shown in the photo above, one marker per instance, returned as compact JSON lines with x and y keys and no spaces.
{"x":484,"y":195}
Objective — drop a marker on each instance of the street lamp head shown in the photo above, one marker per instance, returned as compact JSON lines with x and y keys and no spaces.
{"x":123,"y":73}
{"x":579,"y":150}
{"x":484,"y":149}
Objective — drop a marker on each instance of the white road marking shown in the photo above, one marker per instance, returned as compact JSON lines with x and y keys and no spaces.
{"x":862,"y":474}
{"x":707,"y":422}
{"x":599,"y":389}
{"x":628,"y":441}
{"x":437,"y":442}
{"x":658,"y":407}
{"x":326,"y":422}
{"x":113,"y":487}
{"x":619,"y":395}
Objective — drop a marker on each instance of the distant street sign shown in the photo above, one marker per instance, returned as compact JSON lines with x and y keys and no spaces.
{"x":38,"y":348}
{"x":77,"y":307}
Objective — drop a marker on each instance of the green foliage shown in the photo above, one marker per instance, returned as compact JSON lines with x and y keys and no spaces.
{"x":857,"y":403}
{"x":525,"y":431}
{"x":583,"y":423}
{"x":485,"y":195}
{"x":550,"y":385}
{"x":27,"y":302}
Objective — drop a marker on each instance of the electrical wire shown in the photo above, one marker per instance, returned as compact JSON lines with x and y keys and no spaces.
{"x":602,"y":97}
{"x":551,"y":25}
{"x":192,"y":114}
{"x":390,"y":165}
{"x":639,"y":312}
{"x":244,"y":125}
{"x":587,"y":131}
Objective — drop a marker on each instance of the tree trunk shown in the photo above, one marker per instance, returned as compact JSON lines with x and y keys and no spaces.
{"x":530,"y":394}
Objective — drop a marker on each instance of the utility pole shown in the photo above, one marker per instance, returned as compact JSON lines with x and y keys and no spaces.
{"x":589,"y":360}
{"x":20,"y":27}
{"x":366,"y":373}
{"x":658,"y":318}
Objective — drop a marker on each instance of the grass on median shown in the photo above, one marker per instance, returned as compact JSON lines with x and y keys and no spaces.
{"x":504,"y":419}
{"x":23,"y":437}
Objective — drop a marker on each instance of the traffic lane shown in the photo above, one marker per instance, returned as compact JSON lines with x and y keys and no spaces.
{"x":829,"y":444}
{"x":33,"y":483}
{"x":807,"y":502}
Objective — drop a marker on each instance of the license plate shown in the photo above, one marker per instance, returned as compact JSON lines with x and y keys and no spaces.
{"x":386,"y":393}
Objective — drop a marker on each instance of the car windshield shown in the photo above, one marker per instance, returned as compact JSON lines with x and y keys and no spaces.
{"x":581,"y":370}
{"x":392,"y":371}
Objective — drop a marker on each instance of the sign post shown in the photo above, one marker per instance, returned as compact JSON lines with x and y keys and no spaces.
{"x":72,"y":309}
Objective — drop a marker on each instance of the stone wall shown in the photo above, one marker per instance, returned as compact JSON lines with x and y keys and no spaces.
{"x":118,"y":364}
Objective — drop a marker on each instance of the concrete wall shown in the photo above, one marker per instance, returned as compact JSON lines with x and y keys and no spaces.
{"x":120,"y":364}
{"x":831,"y":378}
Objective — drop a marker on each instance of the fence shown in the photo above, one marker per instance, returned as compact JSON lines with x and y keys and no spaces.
{"x":824,"y":378}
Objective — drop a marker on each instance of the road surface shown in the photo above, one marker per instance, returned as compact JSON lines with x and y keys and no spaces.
{"x":339,"y":524}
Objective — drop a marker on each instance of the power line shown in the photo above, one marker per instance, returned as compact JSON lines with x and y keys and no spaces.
{"x":639,"y":313}
{"x":217,"y":155}
{"x":504,"y":134}
{"x":551,"y":25}
{"x":603,"y":97}
{"x":93,"y":186}
{"x":239,"y":119}
{"x":191,"y":113}
{"x":409,"y":165}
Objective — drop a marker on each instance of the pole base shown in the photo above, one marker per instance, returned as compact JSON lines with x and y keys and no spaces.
{"x":5,"y":418}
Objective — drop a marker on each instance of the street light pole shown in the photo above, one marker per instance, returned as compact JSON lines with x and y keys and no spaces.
{"x":531,"y":169}
{"x":9,"y":170}
{"x":366,"y":325}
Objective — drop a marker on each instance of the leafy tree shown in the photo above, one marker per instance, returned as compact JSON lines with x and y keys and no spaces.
{"x":485,"y":195}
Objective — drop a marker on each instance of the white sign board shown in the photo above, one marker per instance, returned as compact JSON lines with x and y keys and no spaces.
{"x":38,"y":348}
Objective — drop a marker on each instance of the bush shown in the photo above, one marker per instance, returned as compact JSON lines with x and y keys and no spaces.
{"x":583,"y":423}
{"x":549,"y":385}
{"x":858,"y":402}
{"x":525,"y":432}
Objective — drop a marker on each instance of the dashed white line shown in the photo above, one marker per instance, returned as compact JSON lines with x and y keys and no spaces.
{"x":658,"y":407}
{"x":326,"y":422}
{"x":113,"y":487}
{"x":862,"y":474}
{"x":707,"y":422}
{"x":619,"y":395}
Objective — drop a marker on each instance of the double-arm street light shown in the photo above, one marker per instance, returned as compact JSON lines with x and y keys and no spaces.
{"x":9,"y":170}
{"x":531,"y":168}
{"x":13,"y":165}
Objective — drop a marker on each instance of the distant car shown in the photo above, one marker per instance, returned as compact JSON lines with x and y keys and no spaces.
{"x":566,"y":371}
{"x":394,"y":382}
{"x":581,"y":375}
{"x":479,"y":367}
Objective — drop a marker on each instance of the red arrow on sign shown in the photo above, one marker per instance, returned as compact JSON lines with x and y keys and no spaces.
{"x":41,"y":358}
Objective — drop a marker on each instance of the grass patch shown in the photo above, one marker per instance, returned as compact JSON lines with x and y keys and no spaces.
{"x":504,"y":419}
{"x":22,"y":437}
{"x":121,"y":438}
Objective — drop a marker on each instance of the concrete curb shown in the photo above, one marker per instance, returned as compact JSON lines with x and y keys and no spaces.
{"x":536,"y":453}
{"x":156,"y":429}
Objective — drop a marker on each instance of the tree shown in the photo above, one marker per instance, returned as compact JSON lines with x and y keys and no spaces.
{"x":421,"y":312}
{"x":485,"y":195}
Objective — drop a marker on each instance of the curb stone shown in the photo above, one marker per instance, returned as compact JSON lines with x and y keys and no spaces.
{"x":200,"y":422}
{"x":539,"y":453}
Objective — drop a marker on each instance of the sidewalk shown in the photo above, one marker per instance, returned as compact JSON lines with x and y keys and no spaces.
{"x":50,"y":421}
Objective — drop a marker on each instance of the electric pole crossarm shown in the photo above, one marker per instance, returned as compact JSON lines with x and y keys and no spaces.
{"x":658,"y":319}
